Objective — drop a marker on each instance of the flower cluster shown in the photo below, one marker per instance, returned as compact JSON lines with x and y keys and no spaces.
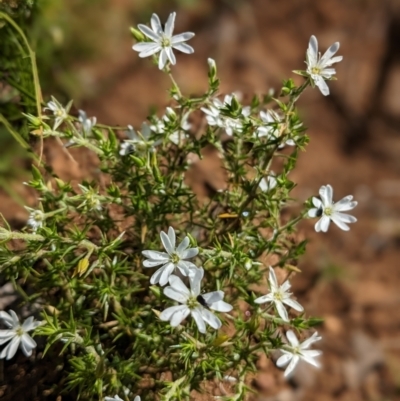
{"x":89,"y":246}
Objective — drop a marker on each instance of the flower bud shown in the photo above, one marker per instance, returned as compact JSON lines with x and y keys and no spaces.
{"x":137,"y":35}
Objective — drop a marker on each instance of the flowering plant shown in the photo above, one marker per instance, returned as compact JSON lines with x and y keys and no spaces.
{"x":148,"y":289}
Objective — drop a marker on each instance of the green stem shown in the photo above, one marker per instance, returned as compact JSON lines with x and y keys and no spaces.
{"x":32,"y":57}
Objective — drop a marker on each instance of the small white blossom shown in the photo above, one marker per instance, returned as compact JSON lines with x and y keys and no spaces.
{"x":192,"y":303}
{"x":174,"y":258}
{"x":318,"y":67}
{"x":137,"y":141}
{"x":296,"y":351}
{"x":328,"y":210}
{"x":163,"y":41}
{"x":36,"y":218}
{"x":17,"y":335}
{"x":159,"y":126}
{"x":215,"y":118}
{"x":266,"y":184}
{"x":279,"y":295}
{"x":60,"y":113}
{"x":87,"y":123}
{"x":271,"y":129}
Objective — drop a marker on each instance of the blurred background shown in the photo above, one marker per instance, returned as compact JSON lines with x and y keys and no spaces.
{"x":350,"y":279}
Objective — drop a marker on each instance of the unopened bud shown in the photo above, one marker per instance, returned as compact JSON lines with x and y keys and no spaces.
{"x":137,"y":35}
{"x":212,"y":68}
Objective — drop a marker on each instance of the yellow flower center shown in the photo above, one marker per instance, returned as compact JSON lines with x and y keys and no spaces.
{"x":175,"y":258}
{"x":19,"y":332}
{"x":315,"y":70}
{"x":328,"y":211}
{"x":192,"y":303}
{"x":165,"y":41}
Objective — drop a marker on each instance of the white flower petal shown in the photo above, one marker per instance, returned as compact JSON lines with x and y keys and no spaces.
{"x":156,"y":24}
{"x":272,"y":279}
{"x":169,"y":25}
{"x":221,"y":306}
{"x":189,"y":253}
{"x":292,"y":365}
{"x":152,"y":263}
{"x":179,"y":316}
{"x":322,"y":224}
{"x":284,"y":360}
{"x":183,"y":47}
{"x":29,"y":324}
{"x":309,"y":359}
{"x":328,"y":54}
{"x":312,"y":51}
{"x":155,"y":278}
{"x":7,"y":319}
{"x":211,"y":319}
{"x":163,"y":58}
{"x":11,"y":348}
{"x":281,"y":311}
{"x":6,"y":335}
{"x":178,"y":285}
{"x":313,"y":212}
{"x":167,"y":242}
{"x":293,"y":304}
{"x":172,"y":237}
{"x":178,"y":296}
{"x":346,"y":218}
{"x":155,"y":255}
{"x":148,"y":32}
{"x":264,"y":299}
{"x":314,"y":338}
{"x":294,"y":342}
{"x":340,"y":223}
{"x":317,"y":202}
{"x":150,"y":51}
{"x":167,"y":313}
{"x":322,"y":85}
{"x":182,"y":246}
{"x":195,"y":280}
{"x":198,"y":318}
{"x":27,"y":344}
{"x":170,"y":55}
{"x":182,"y":37}
{"x":215,"y":296}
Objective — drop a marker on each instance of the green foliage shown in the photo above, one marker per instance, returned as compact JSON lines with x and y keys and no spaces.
{"x":82,"y":261}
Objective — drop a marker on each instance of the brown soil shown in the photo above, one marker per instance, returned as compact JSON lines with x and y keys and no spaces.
{"x":350,"y":279}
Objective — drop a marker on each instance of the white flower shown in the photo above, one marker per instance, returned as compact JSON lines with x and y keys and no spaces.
{"x":36,"y":218}
{"x":279,"y":295}
{"x":272,"y":119}
{"x":163,"y":41}
{"x":87,"y":123}
{"x":59,"y":111}
{"x":215,"y":118}
{"x":328,"y":210}
{"x":192,"y":303}
{"x":137,"y":141}
{"x":177,"y":136}
{"x":17,"y":334}
{"x":268,"y":183}
{"x":174,"y":258}
{"x":318,"y":67}
{"x":295,"y":352}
